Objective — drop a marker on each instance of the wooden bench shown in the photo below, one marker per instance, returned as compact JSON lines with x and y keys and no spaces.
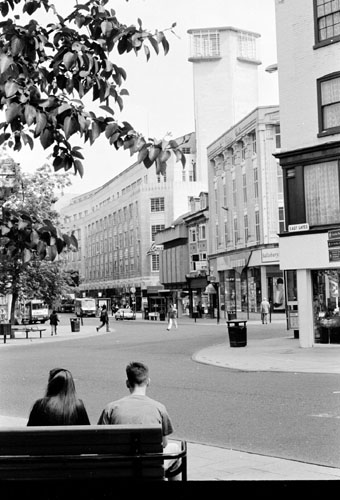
{"x":91,"y":452}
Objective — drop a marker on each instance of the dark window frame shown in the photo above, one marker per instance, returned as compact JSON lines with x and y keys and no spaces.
{"x":321,"y":43}
{"x":322,"y":131}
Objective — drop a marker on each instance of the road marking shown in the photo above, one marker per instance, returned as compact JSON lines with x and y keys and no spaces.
{"x":325,"y":415}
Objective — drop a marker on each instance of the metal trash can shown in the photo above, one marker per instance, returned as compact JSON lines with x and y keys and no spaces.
{"x":6,"y":330}
{"x":237,"y":330}
{"x":75,"y":325}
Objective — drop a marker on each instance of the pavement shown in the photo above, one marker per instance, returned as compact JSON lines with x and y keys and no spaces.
{"x":281,"y":353}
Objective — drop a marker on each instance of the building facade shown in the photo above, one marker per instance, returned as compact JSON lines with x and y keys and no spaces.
{"x":308,"y":41}
{"x":246,"y":214}
{"x":184,"y":258}
{"x":116,"y":226}
{"x":225,"y":79}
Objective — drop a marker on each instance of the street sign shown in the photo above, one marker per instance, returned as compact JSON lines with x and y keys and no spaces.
{"x":334,"y":234}
{"x":334,"y":254}
{"x":333,"y":243}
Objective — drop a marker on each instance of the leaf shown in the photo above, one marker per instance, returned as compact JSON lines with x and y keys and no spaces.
{"x":107,"y":109}
{"x":12,"y":111}
{"x":95,"y":132}
{"x":70,"y":126}
{"x":164,"y":156}
{"x":106,"y":28}
{"x":166,"y":45}
{"x":154,"y":44}
{"x":46,"y":138}
{"x":11,"y":88}
{"x":78,"y":167}
{"x":30,"y":114}
{"x":5,"y":62}
{"x":153,"y":153}
{"x":41,"y":122}
{"x":69,"y":59}
{"x":147,"y":52}
{"x":27,"y":255}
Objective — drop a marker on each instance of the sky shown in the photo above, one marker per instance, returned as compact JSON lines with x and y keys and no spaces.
{"x":160,"y":97}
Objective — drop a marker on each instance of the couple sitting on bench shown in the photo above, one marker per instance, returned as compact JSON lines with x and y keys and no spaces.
{"x":60,"y":406}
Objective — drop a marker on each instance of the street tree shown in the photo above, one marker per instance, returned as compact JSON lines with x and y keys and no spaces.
{"x":31,"y":235}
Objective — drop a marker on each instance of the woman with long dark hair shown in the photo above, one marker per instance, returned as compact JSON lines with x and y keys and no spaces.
{"x":60,"y":405}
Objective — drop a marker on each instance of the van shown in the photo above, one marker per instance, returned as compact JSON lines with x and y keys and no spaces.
{"x":85,"y":307}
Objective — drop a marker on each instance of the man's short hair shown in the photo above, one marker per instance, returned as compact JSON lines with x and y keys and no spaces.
{"x":137,"y":373}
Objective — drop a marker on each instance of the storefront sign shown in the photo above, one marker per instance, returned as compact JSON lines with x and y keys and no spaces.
{"x":292,"y":228}
{"x":334,"y":234}
{"x":270,"y":255}
{"x":334,"y":254}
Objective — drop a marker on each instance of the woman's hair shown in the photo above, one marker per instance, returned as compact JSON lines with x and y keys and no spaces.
{"x":61,"y":398}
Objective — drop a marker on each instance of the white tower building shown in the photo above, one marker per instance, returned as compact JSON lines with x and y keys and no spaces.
{"x":225,"y":80}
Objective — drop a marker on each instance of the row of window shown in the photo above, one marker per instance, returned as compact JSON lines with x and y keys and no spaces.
{"x":206,"y":44}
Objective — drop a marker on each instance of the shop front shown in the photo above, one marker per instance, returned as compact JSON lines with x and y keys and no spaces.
{"x":326,"y":314}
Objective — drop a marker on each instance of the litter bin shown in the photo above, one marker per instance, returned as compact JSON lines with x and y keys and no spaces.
{"x":162,"y":315}
{"x":231,"y":315}
{"x":5,"y":330}
{"x":75,"y":325}
{"x":237,"y":330}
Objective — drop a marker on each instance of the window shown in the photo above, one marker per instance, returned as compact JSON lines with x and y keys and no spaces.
{"x":155,"y":262}
{"x":246,"y":228}
{"x":244,"y":187}
{"x":326,"y":21}
{"x":192,"y":172}
{"x":247,"y":46}
{"x":256,"y":183}
{"x":157,"y":204}
{"x":205,"y":43}
{"x":192,"y":235}
{"x":202,"y":232}
{"x":234,"y":192}
{"x":321,"y":183}
{"x":279,"y":182}
{"x":253,"y":143}
{"x":281,"y":219}
{"x":225,"y":192}
{"x":277,"y":129}
{"x":329,"y":104}
{"x":257,"y":227}
{"x":226,"y":232}
{"x":155,"y":229}
{"x":235,"y":231}
{"x":243,"y":151}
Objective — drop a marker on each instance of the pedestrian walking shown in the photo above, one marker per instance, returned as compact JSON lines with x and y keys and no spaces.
{"x":54,"y":320}
{"x":104,"y":318}
{"x":172,"y":317}
{"x":265,"y":309}
{"x":81,"y":316}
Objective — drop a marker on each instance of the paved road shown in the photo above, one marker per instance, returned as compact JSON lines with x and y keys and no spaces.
{"x":284,"y":415}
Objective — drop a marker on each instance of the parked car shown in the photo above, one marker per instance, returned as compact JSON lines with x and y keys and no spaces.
{"x":124,"y":313}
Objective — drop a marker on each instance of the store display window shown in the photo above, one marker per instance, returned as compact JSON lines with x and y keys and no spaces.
{"x":326,"y":284}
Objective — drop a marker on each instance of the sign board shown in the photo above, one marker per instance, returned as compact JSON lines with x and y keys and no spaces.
{"x":292,"y":228}
{"x":270,"y":255}
{"x":334,"y":234}
{"x":293,"y":320}
{"x":333,"y":243}
{"x":334,"y":254}
{"x":154,"y":249}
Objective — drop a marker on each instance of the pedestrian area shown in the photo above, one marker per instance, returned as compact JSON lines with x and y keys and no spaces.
{"x":211,"y":463}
